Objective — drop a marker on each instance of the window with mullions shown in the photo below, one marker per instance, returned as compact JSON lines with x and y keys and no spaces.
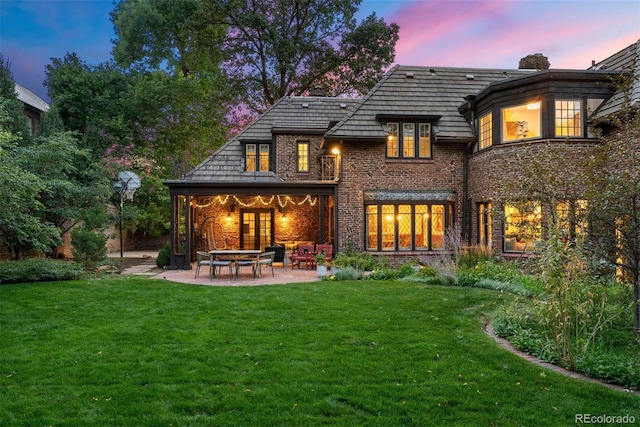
{"x":303,"y":157}
{"x":486,"y":131}
{"x":257,"y":161}
{"x":409,"y":140}
{"x":568,"y":118}
{"x":522,"y":226}
{"x":406,"y":227}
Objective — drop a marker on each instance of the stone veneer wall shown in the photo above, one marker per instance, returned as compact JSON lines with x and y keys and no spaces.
{"x":365,"y":168}
{"x":491,"y":167}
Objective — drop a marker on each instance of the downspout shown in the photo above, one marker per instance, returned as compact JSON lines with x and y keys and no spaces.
{"x":467,"y":221}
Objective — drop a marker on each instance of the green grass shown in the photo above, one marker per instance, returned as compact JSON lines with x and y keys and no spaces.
{"x":136,"y":352}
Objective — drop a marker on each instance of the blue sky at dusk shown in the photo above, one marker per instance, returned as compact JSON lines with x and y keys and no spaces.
{"x":457,"y":33}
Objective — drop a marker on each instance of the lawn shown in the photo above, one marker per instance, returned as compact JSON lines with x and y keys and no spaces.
{"x":135,"y":352}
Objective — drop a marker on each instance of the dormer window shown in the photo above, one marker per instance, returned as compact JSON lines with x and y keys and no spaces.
{"x":257,"y":157}
{"x":408,"y":140}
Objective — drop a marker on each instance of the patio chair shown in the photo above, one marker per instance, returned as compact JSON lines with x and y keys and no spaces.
{"x":218,"y":264}
{"x":266,"y":259}
{"x":327,"y":250}
{"x":304,"y":253}
{"x":279,"y":253}
{"x":246,"y":262}
{"x":203,"y":258}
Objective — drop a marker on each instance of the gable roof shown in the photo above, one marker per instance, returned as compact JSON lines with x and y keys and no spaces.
{"x":421,"y":92}
{"x":31,"y":99}
{"x":626,"y":60}
{"x":305,"y":115}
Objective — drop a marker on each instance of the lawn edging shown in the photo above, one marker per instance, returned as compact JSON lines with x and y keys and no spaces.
{"x":504,"y":343}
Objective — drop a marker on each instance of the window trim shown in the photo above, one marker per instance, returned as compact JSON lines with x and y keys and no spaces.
{"x":257,"y":155}
{"x":485,"y":131}
{"x":399,"y":139}
{"x":556,"y":119}
{"x":299,"y":157}
{"x":536,"y":104}
{"x":379,"y":215}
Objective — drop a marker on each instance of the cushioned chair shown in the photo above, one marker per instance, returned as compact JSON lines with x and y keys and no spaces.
{"x":203,"y":259}
{"x":265,"y":259}
{"x":304,"y":254}
{"x":325,"y":249}
{"x":218,"y":264}
{"x":245,"y":262}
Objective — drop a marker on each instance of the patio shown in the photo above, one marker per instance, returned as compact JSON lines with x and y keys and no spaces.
{"x":245,"y":278}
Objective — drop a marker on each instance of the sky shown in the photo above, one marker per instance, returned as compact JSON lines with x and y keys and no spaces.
{"x":453,"y":33}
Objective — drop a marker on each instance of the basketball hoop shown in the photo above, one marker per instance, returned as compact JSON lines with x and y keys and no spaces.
{"x":128,"y":194}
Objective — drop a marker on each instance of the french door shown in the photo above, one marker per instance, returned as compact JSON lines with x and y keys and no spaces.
{"x":256,"y":228}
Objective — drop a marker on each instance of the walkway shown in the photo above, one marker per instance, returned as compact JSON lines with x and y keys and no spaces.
{"x":147,"y":267}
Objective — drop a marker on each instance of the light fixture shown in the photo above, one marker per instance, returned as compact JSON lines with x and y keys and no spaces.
{"x":335,"y":151}
{"x":284,"y":217}
{"x":533,"y":106}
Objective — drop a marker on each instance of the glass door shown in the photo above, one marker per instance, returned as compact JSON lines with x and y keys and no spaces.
{"x":257,"y":227}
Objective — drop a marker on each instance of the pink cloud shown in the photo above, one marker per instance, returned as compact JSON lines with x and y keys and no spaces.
{"x":497,"y":33}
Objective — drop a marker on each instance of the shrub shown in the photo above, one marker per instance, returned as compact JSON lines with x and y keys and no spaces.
{"x":347,"y":273}
{"x":38,"y":270}
{"x":89,"y":248}
{"x":474,"y":255}
{"x":164,"y":259}
{"x":362,"y":262}
{"x":386,"y":273}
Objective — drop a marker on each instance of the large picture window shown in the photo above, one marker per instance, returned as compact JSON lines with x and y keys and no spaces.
{"x":521,"y":122}
{"x":409,"y":140}
{"x":568,"y":118}
{"x":522,"y":227}
{"x":407,"y":227}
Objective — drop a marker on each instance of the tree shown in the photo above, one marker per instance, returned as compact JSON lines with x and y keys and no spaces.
{"x":290,"y":47}
{"x":20,"y":226}
{"x":614,"y":196}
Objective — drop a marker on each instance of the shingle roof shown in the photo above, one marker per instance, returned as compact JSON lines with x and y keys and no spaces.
{"x":420,"y":91}
{"x":290,"y":114}
{"x":628,"y":60}
{"x":30,"y":98}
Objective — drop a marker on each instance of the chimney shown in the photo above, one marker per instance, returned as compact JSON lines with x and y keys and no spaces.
{"x":534,"y":62}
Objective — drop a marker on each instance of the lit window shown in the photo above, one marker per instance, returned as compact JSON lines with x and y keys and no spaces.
{"x":403,"y":141}
{"x":485,"y":233}
{"x":255,"y":163}
{"x":486,"y":131}
{"x":406,"y":227}
{"x":392,"y":140}
{"x":572,"y":221}
{"x":251,"y":157}
{"x":521,"y":122}
{"x":264,"y":157}
{"x":522,"y":227}
{"x":303,"y":157}
{"x":568,"y":118}
{"x":408,"y":140}
{"x":424,"y":142}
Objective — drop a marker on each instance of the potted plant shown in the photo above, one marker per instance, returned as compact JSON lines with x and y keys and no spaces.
{"x":321,"y":264}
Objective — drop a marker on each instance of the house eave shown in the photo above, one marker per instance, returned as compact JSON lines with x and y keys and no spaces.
{"x":196,"y":188}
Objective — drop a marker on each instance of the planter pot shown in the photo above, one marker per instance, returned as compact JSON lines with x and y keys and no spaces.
{"x":322,"y":270}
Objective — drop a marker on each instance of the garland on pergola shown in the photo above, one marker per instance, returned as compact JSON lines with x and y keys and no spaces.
{"x":282,"y":201}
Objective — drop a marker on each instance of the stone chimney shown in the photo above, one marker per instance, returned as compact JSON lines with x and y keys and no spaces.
{"x":536,"y":62}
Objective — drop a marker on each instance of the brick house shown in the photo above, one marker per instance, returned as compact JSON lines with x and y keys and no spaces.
{"x":389,"y":173}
